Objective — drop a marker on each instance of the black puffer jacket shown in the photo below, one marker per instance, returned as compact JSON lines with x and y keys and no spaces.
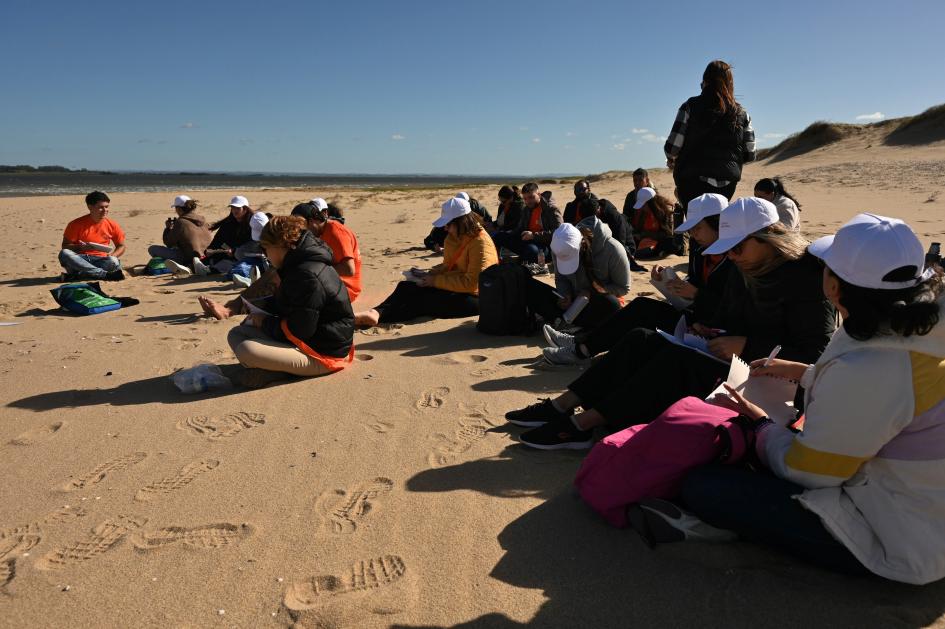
{"x":312,"y":300}
{"x":786,"y":307}
{"x":714,"y":146}
{"x":230,"y":233}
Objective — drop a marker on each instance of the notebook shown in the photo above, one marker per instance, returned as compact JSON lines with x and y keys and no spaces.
{"x":774,"y":395}
{"x":681,"y":337}
{"x":677,"y":302}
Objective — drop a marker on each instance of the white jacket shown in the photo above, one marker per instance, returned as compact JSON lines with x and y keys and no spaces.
{"x":872,"y":452}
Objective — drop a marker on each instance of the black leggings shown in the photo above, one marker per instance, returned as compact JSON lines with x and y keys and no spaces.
{"x":688,"y":189}
{"x":642,"y":312}
{"x":410,"y":301}
{"x":541,"y":298}
{"x":642,"y":376}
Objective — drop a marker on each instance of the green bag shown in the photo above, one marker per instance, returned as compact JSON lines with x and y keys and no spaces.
{"x":156,"y":266}
{"x":83,"y":299}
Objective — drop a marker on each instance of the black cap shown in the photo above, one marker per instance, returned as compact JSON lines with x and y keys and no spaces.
{"x":307,"y":211}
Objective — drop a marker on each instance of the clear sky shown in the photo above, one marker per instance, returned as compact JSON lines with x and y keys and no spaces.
{"x":485,"y":87}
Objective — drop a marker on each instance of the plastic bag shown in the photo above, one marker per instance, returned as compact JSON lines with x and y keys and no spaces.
{"x":200,"y":377}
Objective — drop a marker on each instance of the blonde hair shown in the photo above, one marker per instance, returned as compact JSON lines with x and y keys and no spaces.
{"x":788,"y":245}
{"x":282,"y":231}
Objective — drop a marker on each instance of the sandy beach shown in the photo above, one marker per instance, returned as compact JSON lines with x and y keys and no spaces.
{"x":390,"y":494}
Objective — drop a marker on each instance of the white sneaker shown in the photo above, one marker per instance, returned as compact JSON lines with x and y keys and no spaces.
{"x":242,"y":281}
{"x":562,"y":356}
{"x":176,"y":268}
{"x":660,"y":521}
{"x":200,"y":268}
{"x":557,"y":339}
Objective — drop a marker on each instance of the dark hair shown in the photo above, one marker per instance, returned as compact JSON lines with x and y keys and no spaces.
{"x":309,"y":211}
{"x":903,"y":311}
{"x":509,"y":192}
{"x":662,"y":209}
{"x":712,"y":221}
{"x":589,"y":206}
{"x":719,"y":88}
{"x":584,"y":184}
{"x":641,"y":172}
{"x":96,"y":197}
{"x":530,"y":187}
{"x":467,"y":224}
{"x":336,"y":213}
{"x":774,"y":185}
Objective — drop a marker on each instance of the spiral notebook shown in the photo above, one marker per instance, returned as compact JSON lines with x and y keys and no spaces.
{"x":682,"y":337}
{"x":774,"y":395}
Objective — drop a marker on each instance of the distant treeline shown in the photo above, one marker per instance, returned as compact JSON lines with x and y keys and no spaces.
{"x":26,"y":168}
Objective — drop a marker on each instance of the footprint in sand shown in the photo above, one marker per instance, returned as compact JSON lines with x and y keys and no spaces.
{"x":380,"y":427}
{"x":62,"y":514}
{"x":362,"y":576}
{"x":434,"y":398}
{"x":448,"y":448}
{"x":15,"y":545}
{"x":104,"y":537}
{"x":380,"y":330}
{"x":102,"y":471}
{"x":364,"y":357}
{"x":184,"y":477}
{"x":343,"y":510}
{"x":215,"y":428}
{"x":182,"y":343}
{"x":205,"y":536}
{"x":7,"y":573}
{"x":31,"y":437}
{"x":461,"y":359}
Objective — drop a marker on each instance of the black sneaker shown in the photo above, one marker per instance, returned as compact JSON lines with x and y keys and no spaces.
{"x":660,"y":521}
{"x":560,"y":434}
{"x":537,"y":414}
{"x":114,"y":276}
{"x":637,"y":267}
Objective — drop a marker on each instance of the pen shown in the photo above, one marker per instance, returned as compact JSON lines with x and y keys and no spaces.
{"x":771,"y":356}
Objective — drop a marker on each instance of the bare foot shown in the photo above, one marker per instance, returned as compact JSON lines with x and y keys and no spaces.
{"x":367,"y":318}
{"x":213,"y":309}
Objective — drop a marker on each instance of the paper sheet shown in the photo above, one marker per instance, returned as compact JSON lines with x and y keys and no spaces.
{"x":411,"y":276}
{"x":774,"y":395}
{"x":677,"y":302}
{"x":97,"y":247}
{"x":681,"y":337}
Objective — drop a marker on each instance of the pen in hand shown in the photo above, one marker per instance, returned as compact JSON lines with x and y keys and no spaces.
{"x":772,"y":355}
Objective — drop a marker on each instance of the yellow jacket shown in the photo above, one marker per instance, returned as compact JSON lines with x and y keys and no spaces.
{"x":463,"y":260}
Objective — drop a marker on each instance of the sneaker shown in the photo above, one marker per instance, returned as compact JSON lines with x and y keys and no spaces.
{"x":254,"y":274}
{"x":177,"y":268}
{"x":114,"y":276}
{"x":637,"y":267}
{"x":660,"y":521}
{"x":537,"y":414}
{"x":560,"y":434}
{"x":562,"y":356}
{"x":556,"y":338}
{"x":200,"y":268}
{"x":242,"y":280}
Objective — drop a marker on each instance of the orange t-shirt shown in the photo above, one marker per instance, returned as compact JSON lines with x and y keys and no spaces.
{"x":344,"y":245}
{"x":534,"y":223}
{"x":84,"y":229}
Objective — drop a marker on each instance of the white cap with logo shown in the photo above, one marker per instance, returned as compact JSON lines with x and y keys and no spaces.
{"x":320,"y":203}
{"x":180,"y":200}
{"x":868,"y":248}
{"x":239,"y":201}
{"x":566,"y":246}
{"x":454,"y":208}
{"x":644,"y":195}
{"x":703,"y":205}
{"x":740,"y":220}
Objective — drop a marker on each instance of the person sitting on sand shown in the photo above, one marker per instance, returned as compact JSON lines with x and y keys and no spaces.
{"x":346,"y":255}
{"x":772,"y":189}
{"x":232,"y":232}
{"x":589,"y":266}
{"x":653,"y":225}
{"x":531,"y":237}
{"x":704,"y":286}
{"x":776,"y":301}
{"x":510,"y":210}
{"x":572,"y":210}
{"x":309,"y":326}
{"x":641,"y":179}
{"x":437,"y":236}
{"x":186,"y":238}
{"x":861,"y":488}
{"x":87,"y":243}
{"x":448,"y":290}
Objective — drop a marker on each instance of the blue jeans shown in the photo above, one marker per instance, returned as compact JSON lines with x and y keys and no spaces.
{"x":93,"y":267}
{"x":168,"y":253}
{"x":527,"y":250}
{"x":760,"y":507}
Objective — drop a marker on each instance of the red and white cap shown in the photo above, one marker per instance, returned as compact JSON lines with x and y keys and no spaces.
{"x":868,"y":248}
{"x":566,"y":246}
{"x":740,"y":220}
{"x":180,"y":200}
{"x":703,"y":205}
{"x":239,"y":201}
{"x":454,"y":208}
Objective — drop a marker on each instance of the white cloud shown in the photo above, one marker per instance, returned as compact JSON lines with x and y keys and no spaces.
{"x":652,"y":137}
{"x":570,"y":134}
{"x":398,"y":137}
{"x":639,"y":131}
{"x":536,"y":140}
{"x":773,"y":136}
{"x":618,"y":147}
{"x":188,"y":125}
{"x":873,"y":116}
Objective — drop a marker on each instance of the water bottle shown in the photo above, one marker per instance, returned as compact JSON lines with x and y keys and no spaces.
{"x":199,"y":378}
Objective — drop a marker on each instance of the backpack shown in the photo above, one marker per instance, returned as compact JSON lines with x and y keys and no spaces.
{"x":502,"y":306}
{"x":84,"y":299}
{"x":156,"y":266}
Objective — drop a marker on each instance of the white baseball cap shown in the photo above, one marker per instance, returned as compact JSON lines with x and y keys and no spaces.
{"x":740,"y":220}
{"x":644,"y":195}
{"x":239,"y":201}
{"x":320,"y":203}
{"x":869,"y":247}
{"x":462,"y":195}
{"x":566,"y":245}
{"x":703,"y":205}
{"x":454,"y":208}
{"x":180,"y":200}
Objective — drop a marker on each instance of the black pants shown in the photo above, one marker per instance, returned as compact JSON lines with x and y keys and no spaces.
{"x":409,"y":301}
{"x":688,"y":189}
{"x":642,"y":376}
{"x":642,"y":312}
{"x":542,"y":300}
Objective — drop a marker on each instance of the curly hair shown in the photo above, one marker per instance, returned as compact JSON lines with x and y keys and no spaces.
{"x":282,"y":231}
{"x":904,"y":311}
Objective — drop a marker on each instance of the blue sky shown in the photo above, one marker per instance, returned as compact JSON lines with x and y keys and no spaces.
{"x":511,"y":87}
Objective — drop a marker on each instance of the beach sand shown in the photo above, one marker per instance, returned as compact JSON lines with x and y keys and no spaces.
{"x":390,"y":494}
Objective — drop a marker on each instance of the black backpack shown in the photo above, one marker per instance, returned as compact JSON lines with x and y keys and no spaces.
{"x":502,"y":306}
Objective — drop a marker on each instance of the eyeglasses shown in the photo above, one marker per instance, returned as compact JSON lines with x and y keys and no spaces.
{"x":737,"y":249}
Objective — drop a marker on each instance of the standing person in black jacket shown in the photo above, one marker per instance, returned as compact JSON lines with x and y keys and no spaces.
{"x":711,"y":138}
{"x":779,"y":301}
{"x":309,"y":330}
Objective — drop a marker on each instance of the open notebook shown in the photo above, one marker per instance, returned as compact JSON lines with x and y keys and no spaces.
{"x":774,"y":395}
{"x":681,"y":337}
{"x":677,"y":302}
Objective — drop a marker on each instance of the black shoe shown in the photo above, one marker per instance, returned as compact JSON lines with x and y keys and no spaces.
{"x":537,"y":414}
{"x":637,"y":267}
{"x":114,"y":276}
{"x":660,"y":522}
{"x":560,"y":434}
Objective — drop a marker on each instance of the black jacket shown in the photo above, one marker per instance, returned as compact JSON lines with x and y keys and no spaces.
{"x":230,"y":233}
{"x":513,"y":214}
{"x":786,"y":307}
{"x":714,"y":146}
{"x":709,"y":297}
{"x":550,"y":221}
{"x":312,"y":300}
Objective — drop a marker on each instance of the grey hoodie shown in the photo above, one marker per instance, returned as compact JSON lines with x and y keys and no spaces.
{"x":611,"y":268}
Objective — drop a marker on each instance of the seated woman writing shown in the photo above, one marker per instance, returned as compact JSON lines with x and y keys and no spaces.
{"x":448,"y":290}
{"x":776,"y":301}
{"x":308,"y":327}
